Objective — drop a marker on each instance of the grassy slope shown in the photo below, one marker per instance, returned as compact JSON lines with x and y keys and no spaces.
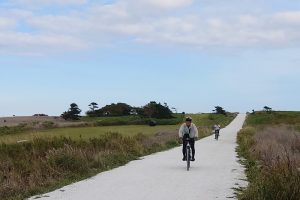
{"x":271,"y":145}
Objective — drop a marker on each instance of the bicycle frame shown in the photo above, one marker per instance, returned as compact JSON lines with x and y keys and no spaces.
{"x":188,"y":154}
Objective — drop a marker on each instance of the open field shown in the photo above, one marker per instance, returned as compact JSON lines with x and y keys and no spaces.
{"x":270,"y":142}
{"x":32,"y":120}
{"x":56,"y":157}
{"x":87,"y":132}
{"x":203,"y":121}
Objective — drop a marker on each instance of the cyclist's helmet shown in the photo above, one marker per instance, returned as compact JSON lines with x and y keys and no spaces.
{"x":188,"y":119}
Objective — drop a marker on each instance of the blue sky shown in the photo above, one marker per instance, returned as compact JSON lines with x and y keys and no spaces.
{"x":239,"y":54}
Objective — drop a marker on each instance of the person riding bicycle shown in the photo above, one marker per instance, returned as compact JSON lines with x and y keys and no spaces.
{"x":188,"y":130}
{"x":216,"y":128}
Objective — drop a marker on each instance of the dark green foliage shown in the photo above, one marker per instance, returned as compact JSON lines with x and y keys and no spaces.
{"x":119,"y":109}
{"x":220,"y":110}
{"x":73,"y":113}
{"x":267,"y":109}
{"x":157,"y":110}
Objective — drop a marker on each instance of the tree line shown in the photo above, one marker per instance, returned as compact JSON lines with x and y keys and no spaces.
{"x":151,"y":110}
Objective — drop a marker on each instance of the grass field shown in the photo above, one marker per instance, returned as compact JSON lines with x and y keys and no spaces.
{"x":270,"y":142}
{"x":204,"y":121}
{"x":56,"y":157}
{"x":87,"y":132}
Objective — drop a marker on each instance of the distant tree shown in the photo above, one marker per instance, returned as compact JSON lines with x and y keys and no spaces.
{"x":219,"y":110}
{"x":92,"y":112}
{"x":119,"y":109}
{"x":157,"y":110}
{"x":267,"y":109}
{"x":175,"y":109}
{"x":73,"y":113}
{"x":93,"y":106}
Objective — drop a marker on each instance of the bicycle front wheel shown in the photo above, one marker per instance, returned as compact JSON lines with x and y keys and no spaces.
{"x":188,"y":159}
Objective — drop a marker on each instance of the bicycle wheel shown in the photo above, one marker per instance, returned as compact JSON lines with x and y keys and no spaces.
{"x":188,"y":158}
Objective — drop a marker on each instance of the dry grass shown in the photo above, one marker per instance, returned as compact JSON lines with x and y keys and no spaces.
{"x":273,"y":163}
{"x":35,"y":167}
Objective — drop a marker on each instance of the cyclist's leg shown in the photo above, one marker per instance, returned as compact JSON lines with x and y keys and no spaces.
{"x":184,"y":147}
{"x":192,"y":143}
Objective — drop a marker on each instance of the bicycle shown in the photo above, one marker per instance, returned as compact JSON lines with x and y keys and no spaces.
{"x":217,"y":134}
{"x":188,"y":153}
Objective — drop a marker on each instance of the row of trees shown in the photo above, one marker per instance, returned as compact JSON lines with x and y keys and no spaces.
{"x":151,"y":110}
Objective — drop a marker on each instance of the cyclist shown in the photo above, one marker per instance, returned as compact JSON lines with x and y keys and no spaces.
{"x":188,"y":130}
{"x":217,"y":128}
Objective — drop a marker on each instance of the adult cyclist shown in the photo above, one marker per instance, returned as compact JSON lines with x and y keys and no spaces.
{"x":217,"y":128}
{"x":188,"y":130}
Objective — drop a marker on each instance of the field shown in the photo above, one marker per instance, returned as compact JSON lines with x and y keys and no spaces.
{"x":270,"y":142}
{"x":86,"y":132}
{"x":52,"y":157}
{"x":203,"y":121}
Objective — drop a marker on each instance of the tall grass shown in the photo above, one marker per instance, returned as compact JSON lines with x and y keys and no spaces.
{"x":30,"y":168}
{"x":272,"y":161}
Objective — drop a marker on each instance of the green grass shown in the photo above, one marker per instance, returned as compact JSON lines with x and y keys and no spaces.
{"x":204,"y":121}
{"x":59,"y":156}
{"x":208,"y":120}
{"x":273,"y":118}
{"x":87,"y":132}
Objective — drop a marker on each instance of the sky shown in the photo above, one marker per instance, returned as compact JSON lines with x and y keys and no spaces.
{"x":193,"y":55}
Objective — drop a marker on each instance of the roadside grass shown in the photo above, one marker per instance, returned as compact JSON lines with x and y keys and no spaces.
{"x":271,"y":148}
{"x":42,"y":165}
{"x":56,"y":157}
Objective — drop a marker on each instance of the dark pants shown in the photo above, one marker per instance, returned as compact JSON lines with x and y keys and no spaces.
{"x":217,"y":132}
{"x":192,"y":144}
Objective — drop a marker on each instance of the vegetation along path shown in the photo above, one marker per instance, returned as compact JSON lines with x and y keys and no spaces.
{"x":163,"y":175}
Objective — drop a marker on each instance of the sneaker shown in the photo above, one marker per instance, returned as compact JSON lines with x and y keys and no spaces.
{"x":184,"y":159}
{"x":193,"y":159}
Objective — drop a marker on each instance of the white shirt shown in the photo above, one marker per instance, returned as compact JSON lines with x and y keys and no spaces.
{"x":192,"y":130}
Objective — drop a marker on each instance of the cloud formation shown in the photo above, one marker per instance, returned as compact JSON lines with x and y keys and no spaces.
{"x":168,"y":22}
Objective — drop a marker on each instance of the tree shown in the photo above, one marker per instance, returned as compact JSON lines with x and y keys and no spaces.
{"x":72,"y":113}
{"x":267,"y":109}
{"x":156,"y":110}
{"x":219,"y":110}
{"x":93,"y":106}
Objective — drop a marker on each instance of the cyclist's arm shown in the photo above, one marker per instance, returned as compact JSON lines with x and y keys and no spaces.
{"x":196,"y":131}
{"x":180,"y":132}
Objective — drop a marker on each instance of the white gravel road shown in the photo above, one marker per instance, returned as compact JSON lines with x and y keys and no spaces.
{"x":163,"y":176}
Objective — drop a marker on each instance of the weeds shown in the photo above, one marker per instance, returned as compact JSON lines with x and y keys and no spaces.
{"x":272,"y":162}
{"x":30,"y":168}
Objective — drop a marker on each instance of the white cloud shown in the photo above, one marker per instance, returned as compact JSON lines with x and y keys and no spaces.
{"x":168,"y":4}
{"x":48,"y":2}
{"x":292,"y":17}
{"x":6,"y":23}
{"x":101,"y":24}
